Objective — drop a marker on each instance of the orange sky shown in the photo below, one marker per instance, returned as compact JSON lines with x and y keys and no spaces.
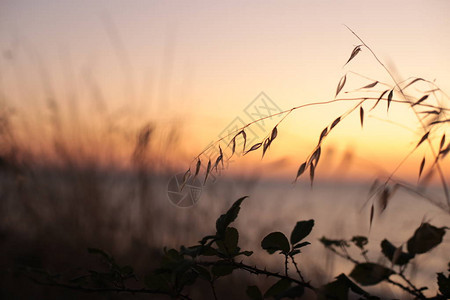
{"x":110,"y":67}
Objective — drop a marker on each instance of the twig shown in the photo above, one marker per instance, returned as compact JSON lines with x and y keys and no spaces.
{"x":257,"y":271}
{"x":104,"y":290}
{"x":288,"y":111}
{"x":213,"y":289}
{"x":418,"y":291}
{"x":297,"y":269}
{"x":345,"y":256}
{"x":405,"y":288}
{"x":438,"y":166}
{"x":286,"y":264}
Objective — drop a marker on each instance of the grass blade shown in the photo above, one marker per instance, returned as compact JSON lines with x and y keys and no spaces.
{"x":361,"y":116}
{"x":341,"y":84}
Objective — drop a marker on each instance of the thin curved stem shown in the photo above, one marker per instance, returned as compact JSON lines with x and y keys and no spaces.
{"x":438,"y":166}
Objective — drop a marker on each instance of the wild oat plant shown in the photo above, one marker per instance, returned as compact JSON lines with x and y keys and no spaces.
{"x":216,"y":256}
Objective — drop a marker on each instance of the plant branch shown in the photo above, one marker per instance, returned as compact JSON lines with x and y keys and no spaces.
{"x":318,"y":103}
{"x":104,"y":290}
{"x":405,"y":288}
{"x":257,"y":271}
{"x":297,"y":269}
{"x":438,"y":167}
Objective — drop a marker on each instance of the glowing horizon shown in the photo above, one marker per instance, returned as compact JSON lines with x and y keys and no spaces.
{"x":90,"y":75}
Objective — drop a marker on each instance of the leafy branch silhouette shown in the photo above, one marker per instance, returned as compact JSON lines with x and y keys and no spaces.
{"x":219,"y":255}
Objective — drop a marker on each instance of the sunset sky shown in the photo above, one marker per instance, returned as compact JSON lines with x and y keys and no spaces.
{"x":197,"y":65}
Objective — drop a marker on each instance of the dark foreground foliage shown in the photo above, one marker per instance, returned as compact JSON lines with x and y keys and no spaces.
{"x":219,"y":255}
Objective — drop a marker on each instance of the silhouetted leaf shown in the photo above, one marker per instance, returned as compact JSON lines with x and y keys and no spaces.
{"x":440,"y":121}
{"x":422,"y":164}
{"x":445,"y":151}
{"x":275,"y":241}
{"x":420,"y":100}
{"x":335,"y":122}
{"x":279,"y":287}
{"x":219,"y":159}
{"x":266,"y":145}
{"x":197,"y":167}
{"x":338,"y":289}
{"x":254,"y":147}
{"x":301,"y":230}
{"x":370,"y":273}
{"x":246,"y":253}
{"x":442,"y":142}
{"x":328,"y":242}
{"x":341,"y":84}
{"x":208,"y":169}
{"x":202,"y":272}
{"x":412,"y":82}
{"x":361,"y":115}
{"x":360,"y":241}
{"x":294,"y":252}
{"x":301,"y":245}
{"x":430,"y":112}
{"x":379,"y":98}
{"x":301,"y":170}
{"x":292,"y":293}
{"x":390,"y":95}
{"x":254,"y":293}
{"x":222,"y":269}
{"x":444,"y":285}
{"x":314,"y":160}
{"x":424,"y":137}
{"x":185,"y":178}
{"x":244,"y":136}
{"x":371,"y":216}
{"x":371,"y":85}
{"x":274,"y":133}
{"x":384,"y":198}
{"x":192,"y":251}
{"x":354,"y":53}
{"x":323,"y":134}
{"x":233,"y":147}
{"x":230,"y":240}
{"x":226,"y":219}
{"x":208,"y":251}
{"x":425,"y":238}
{"x":394,"y":254}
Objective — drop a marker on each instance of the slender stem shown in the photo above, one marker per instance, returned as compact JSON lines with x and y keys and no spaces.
{"x":213,"y":289}
{"x":405,"y":288}
{"x":297,"y":269}
{"x":288,"y":111}
{"x":286,"y":265}
{"x":438,"y":167}
{"x":104,"y":290}
{"x":412,"y":285}
{"x":257,"y":271}
{"x":345,"y":256}
{"x":414,"y":291}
